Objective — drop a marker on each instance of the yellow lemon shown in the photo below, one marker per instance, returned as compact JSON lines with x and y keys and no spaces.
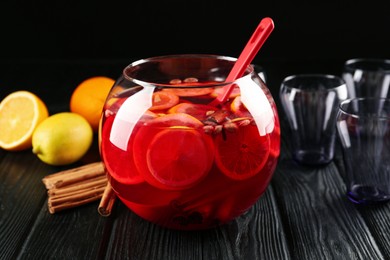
{"x":20,"y":113}
{"x":62,"y":138}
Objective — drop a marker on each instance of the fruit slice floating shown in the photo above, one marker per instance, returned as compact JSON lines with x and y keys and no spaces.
{"x":235,"y":92}
{"x":190,"y":92}
{"x":163,"y":100}
{"x":238,"y":108}
{"x":198,"y":111}
{"x":177,"y":158}
{"x":20,"y":114}
{"x":171,"y":154}
{"x":176,"y":120}
{"x":242,"y":154}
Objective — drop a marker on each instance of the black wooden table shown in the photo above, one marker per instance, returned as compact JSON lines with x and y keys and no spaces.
{"x":304,"y":213}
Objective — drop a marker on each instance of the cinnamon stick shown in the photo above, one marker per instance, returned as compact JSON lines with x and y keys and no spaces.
{"x":63,"y":191}
{"x":69,"y":205}
{"x":78,"y":186}
{"x":79,"y":196}
{"x":74,"y":175}
{"x":107,"y":201}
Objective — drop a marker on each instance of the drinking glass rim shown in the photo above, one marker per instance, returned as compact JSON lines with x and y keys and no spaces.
{"x":313,"y":76}
{"x":348,"y":64}
{"x":343,"y":110}
{"x":250,"y":69}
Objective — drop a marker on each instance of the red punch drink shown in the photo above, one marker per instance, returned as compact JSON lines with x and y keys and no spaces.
{"x":176,"y":160}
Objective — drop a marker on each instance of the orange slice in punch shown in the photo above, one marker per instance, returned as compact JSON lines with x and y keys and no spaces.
{"x":198,"y":111}
{"x":177,"y":158}
{"x":163,"y":100}
{"x":243,"y":153}
{"x":176,"y":120}
{"x":190,"y":92}
{"x":238,"y":108}
{"x":171,"y":154}
{"x":235,"y":92}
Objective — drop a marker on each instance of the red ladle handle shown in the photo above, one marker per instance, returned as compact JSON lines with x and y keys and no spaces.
{"x":253,"y":46}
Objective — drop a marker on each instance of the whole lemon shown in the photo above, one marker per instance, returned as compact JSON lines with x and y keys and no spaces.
{"x":62,"y":138}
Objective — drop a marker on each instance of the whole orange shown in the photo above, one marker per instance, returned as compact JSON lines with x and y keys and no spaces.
{"x":88,"y":99}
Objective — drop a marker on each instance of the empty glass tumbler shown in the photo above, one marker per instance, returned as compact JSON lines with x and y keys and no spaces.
{"x":310,"y":102}
{"x":364,"y":129}
{"x":367,"y":77}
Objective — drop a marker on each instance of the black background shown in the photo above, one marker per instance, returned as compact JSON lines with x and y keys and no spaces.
{"x":128,"y":30}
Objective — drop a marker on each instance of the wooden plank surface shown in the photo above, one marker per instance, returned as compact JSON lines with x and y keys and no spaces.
{"x":21,"y":197}
{"x":323,"y":224}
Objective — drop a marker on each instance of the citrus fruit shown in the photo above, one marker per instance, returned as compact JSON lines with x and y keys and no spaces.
{"x":170,"y":153}
{"x":62,"y":138}
{"x":243,"y":153}
{"x":190,"y":92}
{"x":238,"y":107}
{"x":163,"y":100}
{"x":88,"y":99}
{"x":176,"y":120}
{"x":198,"y":111}
{"x":177,"y":158}
{"x":20,"y":113}
{"x":218,"y":91}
